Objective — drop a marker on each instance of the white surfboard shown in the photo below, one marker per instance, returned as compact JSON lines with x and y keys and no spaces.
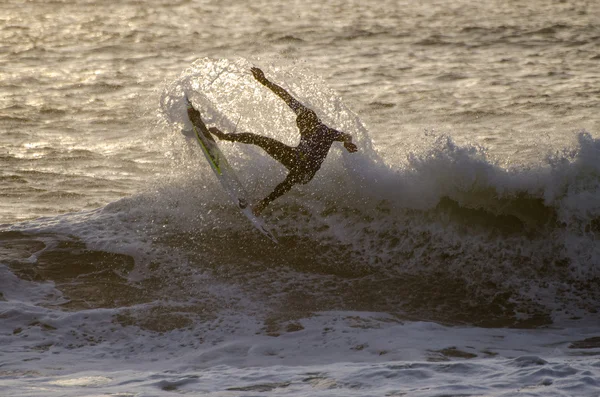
{"x":226,"y":175}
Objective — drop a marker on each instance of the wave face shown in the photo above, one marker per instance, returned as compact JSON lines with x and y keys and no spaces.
{"x":447,"y":222}
{"x":445,"y":234}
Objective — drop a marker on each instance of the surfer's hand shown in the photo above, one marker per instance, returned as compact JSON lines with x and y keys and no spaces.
{"x":350,"y":147}
{"x":259,"y":75}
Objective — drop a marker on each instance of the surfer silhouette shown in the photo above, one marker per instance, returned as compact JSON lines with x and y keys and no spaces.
{"x":302,"y":161}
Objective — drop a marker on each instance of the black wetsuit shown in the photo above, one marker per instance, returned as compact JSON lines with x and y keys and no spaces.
{"x":302,"y":161}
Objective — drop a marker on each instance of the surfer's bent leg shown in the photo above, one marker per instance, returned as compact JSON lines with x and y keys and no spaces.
{"x":279,"y":191}
{"x":281,"y":152}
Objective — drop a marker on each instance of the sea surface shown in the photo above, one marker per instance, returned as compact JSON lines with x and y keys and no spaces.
{"x":457,"y":253}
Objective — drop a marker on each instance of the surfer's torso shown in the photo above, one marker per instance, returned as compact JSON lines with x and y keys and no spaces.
{"x":313,"y":149}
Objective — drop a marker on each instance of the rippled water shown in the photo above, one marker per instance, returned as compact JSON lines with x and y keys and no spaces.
{"x":455,"y":254}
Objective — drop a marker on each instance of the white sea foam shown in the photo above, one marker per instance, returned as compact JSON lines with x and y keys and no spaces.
{"x":332,"y":354}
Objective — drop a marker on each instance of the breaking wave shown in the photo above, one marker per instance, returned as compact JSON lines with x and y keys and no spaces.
{"x":443,"y":233}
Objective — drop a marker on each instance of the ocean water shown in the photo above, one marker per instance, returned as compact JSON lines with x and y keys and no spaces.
{"x":455,"y":254}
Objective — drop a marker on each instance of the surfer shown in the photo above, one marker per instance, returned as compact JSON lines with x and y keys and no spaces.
{"x":302,"y":161}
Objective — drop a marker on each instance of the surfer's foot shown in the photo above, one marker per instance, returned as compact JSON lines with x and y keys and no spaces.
{"x":218,"y":133}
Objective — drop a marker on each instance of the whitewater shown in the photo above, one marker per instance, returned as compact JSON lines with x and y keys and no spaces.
{"x":455,"y":254}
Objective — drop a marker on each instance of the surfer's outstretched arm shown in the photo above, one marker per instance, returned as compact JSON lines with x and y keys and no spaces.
{"x":292,"y":102}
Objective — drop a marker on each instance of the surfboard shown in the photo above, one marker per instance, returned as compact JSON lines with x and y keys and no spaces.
{"x":225,"y":174}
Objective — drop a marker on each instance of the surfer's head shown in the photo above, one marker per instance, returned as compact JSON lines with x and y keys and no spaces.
{"x":307,"y":120}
